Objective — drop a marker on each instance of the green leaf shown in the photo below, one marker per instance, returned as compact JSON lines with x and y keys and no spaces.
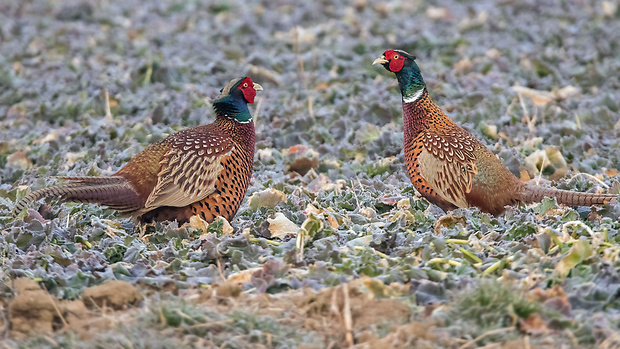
{"x":115,"y":254}
{"x":472,"y":258}
{"x":580,"y":251}
{"x":312,"y":226}
{"x":216,"y":227}
{"x":545,"y":205}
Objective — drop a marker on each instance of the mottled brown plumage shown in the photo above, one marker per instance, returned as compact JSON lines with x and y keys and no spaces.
{"x":203,"y":171}
{"x":448,"y":166}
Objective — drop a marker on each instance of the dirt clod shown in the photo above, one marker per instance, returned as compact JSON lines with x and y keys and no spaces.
{"x":228,"y":289}
{"x":35,"y":311}
{"x":412,"y":335}
{"x":114,"y":294}
{"x":32,"y":310}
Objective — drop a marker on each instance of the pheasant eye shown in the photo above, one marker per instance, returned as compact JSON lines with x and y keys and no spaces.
{"x":395,"y":57}
{"x":245,"y":84}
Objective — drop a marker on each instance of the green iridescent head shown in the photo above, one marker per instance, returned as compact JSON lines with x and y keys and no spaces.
{"x":407,"y":71}
{"x":233,"y":100}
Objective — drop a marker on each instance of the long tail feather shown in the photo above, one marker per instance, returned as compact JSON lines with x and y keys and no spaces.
{"x":93,"y":179}
{"x":535,"y":194}
{"x":114,"y":192}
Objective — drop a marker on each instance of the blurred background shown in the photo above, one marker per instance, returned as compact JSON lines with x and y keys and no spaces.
{"x":86,"y":85}
{"x":162,"y":62}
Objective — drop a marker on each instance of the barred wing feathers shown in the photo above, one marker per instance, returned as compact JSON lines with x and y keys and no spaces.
{"x":189,"y":170}
{"x":448,"y":164}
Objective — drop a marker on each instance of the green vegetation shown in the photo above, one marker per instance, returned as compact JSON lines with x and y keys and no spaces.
{"x":329,"y":137}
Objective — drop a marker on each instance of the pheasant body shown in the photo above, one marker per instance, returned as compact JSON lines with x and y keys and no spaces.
{"x":442,"y":159}
{"x":451,"y":168}
{"x":202,"y":171}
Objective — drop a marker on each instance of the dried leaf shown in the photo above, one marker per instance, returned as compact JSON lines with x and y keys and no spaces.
{"x":609,"y":8}
{"x":52,"y":136}
{"x":266,"y":198}
{"x":541,"y":98}
{"x":302,"y":165}
{"x":493,"y":53}
{"x":280,"y":226}
{"x":538,"y":97}
{"x":448,"y":221}
{"x":567,"y":92}
{"x":403,"y":204}
{"x":73,"y":157}
{"x":333,"y":221}
{"x":390,"y":200}
{"x":195,"y":222}
{"x":243,"y":276}
{"x":262,"y":73}
{"x":321,"y":183}
{"x":311,"y":209}
{"x":463,"y":66}
{"x":378,"y":288}
{"x":19,"y":159}
{"x":438,"y":13}
{"x":534,"y":324}
{"x":548,"y":160}
{"x":368,"y":212}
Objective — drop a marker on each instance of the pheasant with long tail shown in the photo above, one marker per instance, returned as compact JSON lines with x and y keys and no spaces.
{"x":451,"y":168}
{"x":202,"y":171}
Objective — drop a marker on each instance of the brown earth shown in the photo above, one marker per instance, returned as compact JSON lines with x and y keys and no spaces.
{"x":34,"y":311}
{"x":353,"y":315}
{"x":332,"y":311}
{"x":115,"y":294}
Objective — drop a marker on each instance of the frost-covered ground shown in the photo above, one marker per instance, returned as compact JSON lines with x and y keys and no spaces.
{"x":329,"y":136}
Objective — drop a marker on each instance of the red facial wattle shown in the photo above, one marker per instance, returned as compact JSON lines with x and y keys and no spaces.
{"x":397,"y":61}
{"x":247,"y":88}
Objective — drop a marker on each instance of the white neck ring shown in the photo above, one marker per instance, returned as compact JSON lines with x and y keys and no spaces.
{"x":415,"y":96}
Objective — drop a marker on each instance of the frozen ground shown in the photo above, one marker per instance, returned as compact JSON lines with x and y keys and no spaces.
{"x":329,"y":136}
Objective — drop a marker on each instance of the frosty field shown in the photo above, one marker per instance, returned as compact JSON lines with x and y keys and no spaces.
{"x":332,"y":246}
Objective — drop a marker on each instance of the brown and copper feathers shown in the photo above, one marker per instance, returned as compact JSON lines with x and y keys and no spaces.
{"x":448,"y":166}
{"x":202,"y":171}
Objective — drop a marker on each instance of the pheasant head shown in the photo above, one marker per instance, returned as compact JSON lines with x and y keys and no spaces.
{"x":407,"y":72}
{"x":232,"y":103}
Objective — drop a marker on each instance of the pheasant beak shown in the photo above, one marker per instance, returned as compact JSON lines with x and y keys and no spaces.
{"x":380,"y":60}
{"x":257,"y":87}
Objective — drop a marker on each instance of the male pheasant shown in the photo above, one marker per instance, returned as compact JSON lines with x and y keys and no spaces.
{"x":451,"y":168}
{"x":202,"y":171}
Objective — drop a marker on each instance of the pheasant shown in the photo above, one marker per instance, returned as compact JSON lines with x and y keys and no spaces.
{"x":451,"y":168}
{"x":202,"y":171}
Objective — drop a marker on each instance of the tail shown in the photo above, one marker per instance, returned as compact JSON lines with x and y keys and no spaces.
{"x":114,"y":192}
{"x":570,"y":198}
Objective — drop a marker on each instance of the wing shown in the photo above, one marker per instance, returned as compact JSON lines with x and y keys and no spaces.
{"x":448,"y":164}
{"x":189,"y":170}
